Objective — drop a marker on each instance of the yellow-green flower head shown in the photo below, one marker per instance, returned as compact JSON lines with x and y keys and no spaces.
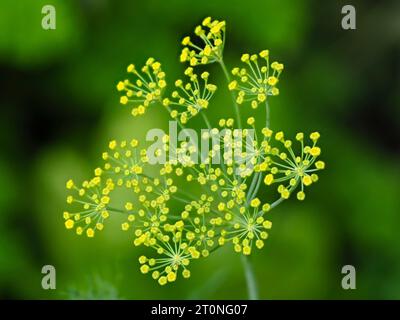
{"x":89,"y":204}
{"x":225,"y":182}
{"x":212,"y":35}
{"x":147,"y":223}
{"x":181,"y":209}
{"x":291,"y":169}
{"x":124,"y":162}
{"x":249,"y":228}
{"x":199,"y":220}
{"x":251,"y":154}
{"x":174,"y":255}
{"x":258,"y":80}
{"x":149,"y":214}
{"x":145,"y":89}
{"x":239,"y":149}
{"x":190,"y":98}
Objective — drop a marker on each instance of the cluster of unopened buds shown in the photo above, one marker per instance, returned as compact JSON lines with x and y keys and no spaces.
{"x":191,"y":208}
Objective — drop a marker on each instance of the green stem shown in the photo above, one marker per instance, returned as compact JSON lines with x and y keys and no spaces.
{"x":116,"y":210}
{"x":228,"y":79}
{"x":252,"y":289}
{"x":252,"y":186}
{"x":208,"y":124}
{"x":257,"y":183}
{"x":266,"y":114}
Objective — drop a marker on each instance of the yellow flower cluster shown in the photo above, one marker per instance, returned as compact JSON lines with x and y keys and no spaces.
{"x":124,"y":161}
{"x":221,"y":214}
{"x":90,"y":205}
{"x":191,"y":97}
{"x":151,"y":210}
{"x":146,"y":89}
{"x":249,"y":228}
{"x":241,"y":150}
{"x":257,"y":81}
{"x":212,"y":35}
{"x":184,"y":210}
{"x":295,"y":170}
{"x":176,"y":254}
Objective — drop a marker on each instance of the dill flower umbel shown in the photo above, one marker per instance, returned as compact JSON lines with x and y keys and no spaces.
{"x":174,"y":254}
{"x":249,"y":228}
{"x":192,"y":203}
{"x":146,"y":89}
{"x":191,"y":97}
{"x":212,"y":35}
{"x":295,"y":170}
{"x":90,"y":201}
{"x":124,"y":162}
{"x":256,"y":81}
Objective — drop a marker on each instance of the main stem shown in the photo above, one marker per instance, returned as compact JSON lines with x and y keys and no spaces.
{"x":250,"y":278}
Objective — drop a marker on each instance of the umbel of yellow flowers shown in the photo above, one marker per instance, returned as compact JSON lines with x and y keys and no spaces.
{"x":218,"y":204}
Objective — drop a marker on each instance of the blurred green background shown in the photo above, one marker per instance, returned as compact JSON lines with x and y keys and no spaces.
{"x":60,"y":108}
